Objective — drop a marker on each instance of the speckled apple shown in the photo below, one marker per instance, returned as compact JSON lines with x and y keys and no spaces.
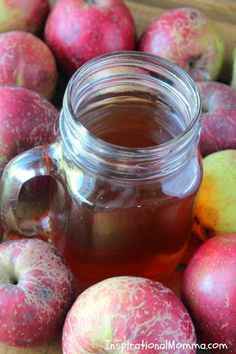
{"x":36,"y":292}
{"x":26,"y":120}
{"x":218,"y":117}
{"x":27,"y":61}
{"x":127,"y":311}
{"x":24,"y":15}
{"x":188,"y":38}
{"x":78,"y":31}
{"x":215,"y":206}
{"x":209,"y":291}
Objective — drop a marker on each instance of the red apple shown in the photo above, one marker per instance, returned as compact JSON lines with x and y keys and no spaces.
{"x":127,"y":312}
{"x":78,"y":31}
{"x":189,"y":39}
{"x":218,"y":117}
{"x":27,"y":61}
{"x":36,"y":291}
{"x":209,"y":291}
{"x":26,"y":120}
{"x":24,"y":15}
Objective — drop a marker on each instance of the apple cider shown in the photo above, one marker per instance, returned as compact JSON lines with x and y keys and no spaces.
{"x":118,"y":228}
{"x":125,"y":166}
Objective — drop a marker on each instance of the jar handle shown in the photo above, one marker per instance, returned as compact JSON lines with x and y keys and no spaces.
{"x":38,"y":161}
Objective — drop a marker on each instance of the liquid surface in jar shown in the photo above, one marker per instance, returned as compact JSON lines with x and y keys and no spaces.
{"x":133,"y":124}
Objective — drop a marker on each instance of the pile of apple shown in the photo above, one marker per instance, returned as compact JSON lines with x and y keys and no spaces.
{"x":37,"y":288}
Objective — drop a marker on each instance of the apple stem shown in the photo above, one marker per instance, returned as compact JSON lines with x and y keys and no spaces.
{"x":14,"y":280}
{"x":191,"y":64}
{"x":194,"y":61}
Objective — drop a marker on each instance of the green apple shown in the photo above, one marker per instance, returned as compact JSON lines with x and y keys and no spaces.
{"x":215,"y":207}
{"x":233,"y":80}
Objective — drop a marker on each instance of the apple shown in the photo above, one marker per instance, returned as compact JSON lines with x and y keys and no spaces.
{"x":189,"y":39}
{"x":127,"y":312}
{"x":26,"y":120}
{"x":209,"y":291}
{"x":233,"y":79}
{"x":36,"y":292}
{"x":28,"y":62}
{"x":215,"y":206}
{"x":1,"y":233}
{"x":27,"y":15}
{"x":218,"y":118}
{"x":78,"y":31}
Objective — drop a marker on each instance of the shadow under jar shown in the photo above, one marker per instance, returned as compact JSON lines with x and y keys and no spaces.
{"x":126,"y":168}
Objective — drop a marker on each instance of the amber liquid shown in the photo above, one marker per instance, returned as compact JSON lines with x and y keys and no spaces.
{"x":133,"y":124}
{"x":120,"y":229}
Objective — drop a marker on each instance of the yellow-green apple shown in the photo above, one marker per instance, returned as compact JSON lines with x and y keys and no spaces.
{"x":28,"y":62}
{"x":36,"y":292}
{"x":1,"y":233}
{"x":233,"y":79}
{"x":209,"y":291}
{"x":78,"y":31}
{"x":128,"y":315}
{"x":22,"y":15}
{"x":188,"y":38}
{"x":215,"y":208}
{"x":26,"y":120}
{"x":218,"y":117}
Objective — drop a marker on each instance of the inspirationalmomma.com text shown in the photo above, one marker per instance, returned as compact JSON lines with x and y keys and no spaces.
{"x":167,"y":345}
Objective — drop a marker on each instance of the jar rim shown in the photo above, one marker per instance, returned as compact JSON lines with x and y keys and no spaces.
{"x":106,"y":152}
{"x":135,"y":55}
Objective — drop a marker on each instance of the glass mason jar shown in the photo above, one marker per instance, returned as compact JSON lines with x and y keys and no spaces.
{"x":116,"y":209}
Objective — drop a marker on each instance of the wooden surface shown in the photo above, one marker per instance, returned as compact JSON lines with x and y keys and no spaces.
{"x":224,"y":15}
